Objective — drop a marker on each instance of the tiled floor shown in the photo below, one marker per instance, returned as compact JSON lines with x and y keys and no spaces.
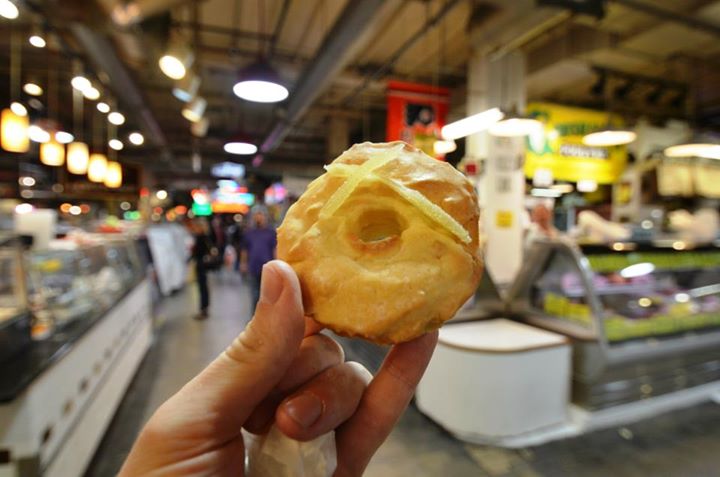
{"x":683,"y":443}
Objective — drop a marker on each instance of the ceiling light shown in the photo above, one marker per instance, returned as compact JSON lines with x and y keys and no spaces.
{"x":195,"y":109}
{"x":707,"y":151}
{"x":587,"y":185}
{"x":472,"y":124}
{"x":23,"y":208}
{"x":260,"y":83}
{"x":116,"y":118}
{"x":64,"y":137}
{"x":136,"y":138}
{"x":18,"y":108}
{"x":515,"y":126}
{"x":103,"y":107}
{"x":176,"y":62}
{"x":97,"y":167}
{"x":14,"y":131}
{"x":115,"y":144}
{"x":27,"y":181}
{"x":78,"y":157}
{"x":637,"y":270}
{"x":240,"y":147}
{"x":186,"y":88}
{"x":442,"y":147}
{"x":75,"y":210}
{"x":37,"y":41}
{"x":38,"y":134}
{"x":200,"y":128}
{"x":91,"y":93}
{"x":549,"y":193}
{"x":113,"y":175}
{"x":33,"y":89}
{"x":609,"y":137}
{"x":52,"y":153}
{"x":80,"y":83}
{"x":8,"y":10}
{"x":161,"y":194}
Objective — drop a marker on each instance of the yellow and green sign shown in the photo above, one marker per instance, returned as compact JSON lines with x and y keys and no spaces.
{"x":559,"y":147}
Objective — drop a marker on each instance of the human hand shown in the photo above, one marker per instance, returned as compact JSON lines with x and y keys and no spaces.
{"x":281,"y":371}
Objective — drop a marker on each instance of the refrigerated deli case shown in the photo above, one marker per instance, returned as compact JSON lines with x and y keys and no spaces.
{"x":14,"y":314}
{"x":644,"y":319}
{"x":91,"y":326}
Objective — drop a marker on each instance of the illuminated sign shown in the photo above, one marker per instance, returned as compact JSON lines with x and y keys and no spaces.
{"x":228,"y":169}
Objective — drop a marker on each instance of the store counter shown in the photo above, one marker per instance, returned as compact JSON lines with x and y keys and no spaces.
{"x":91,"y":329}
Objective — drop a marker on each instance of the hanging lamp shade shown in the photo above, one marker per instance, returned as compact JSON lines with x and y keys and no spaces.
{"x":113,"y":175}
{"x":195,"y":109}
{"x":14,"y":131}
{"x":187,"y":87}
{"x":78,"y":156}
{"x":515,"y":125}
{"x":97,"y":167}
{"x":260,"y":83}
{"x":52,"y":153}
{"x":176,"y":61}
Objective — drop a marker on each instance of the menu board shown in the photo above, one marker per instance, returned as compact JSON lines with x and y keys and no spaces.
{"x":558,"y":146}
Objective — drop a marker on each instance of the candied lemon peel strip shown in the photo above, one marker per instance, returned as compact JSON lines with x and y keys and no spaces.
{"x":356,"y":174}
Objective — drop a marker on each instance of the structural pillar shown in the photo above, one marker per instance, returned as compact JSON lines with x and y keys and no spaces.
{"x":499,"y":82}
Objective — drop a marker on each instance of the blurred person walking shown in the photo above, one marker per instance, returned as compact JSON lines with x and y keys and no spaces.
{"x":205,"y":255}
{"x":258,"y":247}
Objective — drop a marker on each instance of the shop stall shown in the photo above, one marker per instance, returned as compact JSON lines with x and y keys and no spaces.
{"x":600,"y":335}
{"x":90,"y":329}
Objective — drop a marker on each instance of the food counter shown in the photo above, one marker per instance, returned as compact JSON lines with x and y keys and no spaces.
{"x":91,"y":327}
{"x":644,"y":319}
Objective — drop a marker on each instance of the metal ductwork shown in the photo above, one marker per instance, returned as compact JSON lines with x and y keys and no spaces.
{"x":354,"y":27}
{"x":133,"y":12}
{"x":102,"y":53}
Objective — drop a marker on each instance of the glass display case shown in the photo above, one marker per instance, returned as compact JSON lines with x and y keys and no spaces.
{"x":74,"y":284}
{"x":640,"y":315}
{"x":14,"y":316}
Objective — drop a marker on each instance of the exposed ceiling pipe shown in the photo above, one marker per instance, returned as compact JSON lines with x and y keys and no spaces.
{"x":135,"y":11}
{"x":385,"y":67}
{"x":353,"y":28}
{"x":102,"y":53}
{"x":671,"y":16}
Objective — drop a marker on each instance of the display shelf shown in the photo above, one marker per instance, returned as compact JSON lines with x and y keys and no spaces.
{"x":626,"y":310}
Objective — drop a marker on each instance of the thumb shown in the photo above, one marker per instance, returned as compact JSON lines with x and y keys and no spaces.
{"x":238,"y":380}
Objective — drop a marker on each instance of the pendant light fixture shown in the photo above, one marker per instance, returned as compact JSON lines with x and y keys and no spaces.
{"x":14,"y":131}
{"x":195,"y":109}
{"x":8,"y":10}
{"x":186,"y":88}
{"x":97,"y":167}
{"x":52,"y":153}
{"x":704,"y":150}
{"x":609,"y":137}
{"x":97,"y":163}
{"x":471,"y":124}
{"x":113,"y":175}
{"x":176,"y":61}
{"x":515,"y":125}
{"x":78,"y":153}
{"x":14,"y":122}
{"x":260,"y":83}
{"x":241,"y":145}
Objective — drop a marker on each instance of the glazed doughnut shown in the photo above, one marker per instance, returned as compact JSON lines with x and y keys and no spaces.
{"x":385,"y":243}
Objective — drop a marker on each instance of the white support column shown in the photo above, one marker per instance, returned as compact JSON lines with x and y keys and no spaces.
{"x":503,"y":181}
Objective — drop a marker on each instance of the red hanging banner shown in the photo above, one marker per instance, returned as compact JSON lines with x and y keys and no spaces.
{"x":415,"y":114}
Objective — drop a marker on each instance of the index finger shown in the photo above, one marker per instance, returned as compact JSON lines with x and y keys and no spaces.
{"x":383,"y":403}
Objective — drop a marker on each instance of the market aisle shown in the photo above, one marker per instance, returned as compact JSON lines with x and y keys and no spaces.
{"x":683,"y":443}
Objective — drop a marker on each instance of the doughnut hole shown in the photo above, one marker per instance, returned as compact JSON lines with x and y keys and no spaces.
{"x":377,"y":229}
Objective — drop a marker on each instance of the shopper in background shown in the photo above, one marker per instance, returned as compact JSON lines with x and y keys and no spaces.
{"x":541,"y":226}
{"x":258,"y":248}
{"x":201,"y":254}
{"x":281,"y":370}
{"x":217,"y":233}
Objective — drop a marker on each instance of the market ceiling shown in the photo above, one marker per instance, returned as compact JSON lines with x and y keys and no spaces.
{"x":659,"y":58}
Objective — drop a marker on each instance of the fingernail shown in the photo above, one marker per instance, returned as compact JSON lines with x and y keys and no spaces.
{"x":271,"y":284}
{"x":304,"y":409}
